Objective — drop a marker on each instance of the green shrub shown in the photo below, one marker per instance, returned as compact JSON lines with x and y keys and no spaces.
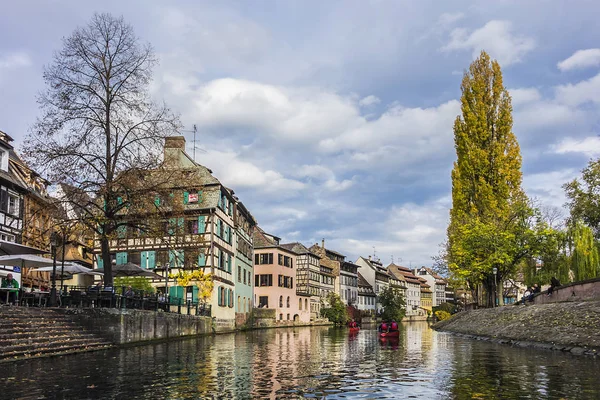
{"x":442,"y":315}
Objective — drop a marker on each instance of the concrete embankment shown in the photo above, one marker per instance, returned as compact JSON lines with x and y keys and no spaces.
{"x":569,"y":326}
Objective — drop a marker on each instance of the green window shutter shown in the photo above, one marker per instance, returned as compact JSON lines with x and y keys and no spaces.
{"x":172,"y":223}
{"x":121,"y":258}
{"x":157,"y":201}
{"x":151,"y":263}
{"x":122,"y":231}
{"x":220,"y":202}
{"x":176,"y":258}
{"x":229,"y":263}
{"x":99,"y":261}
{"x":180,"y":292}
{"x":199,"y":196}
{"x":201,"y":224}
{"x":218,"y":228}
{"x":201,"y":259}
{"x":119,"y":200}
{"x":144,"y":259}
{"x":194,"y":294}
{"x":186,"y":197}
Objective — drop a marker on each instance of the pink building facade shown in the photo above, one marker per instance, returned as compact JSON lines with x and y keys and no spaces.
{"x":275,"y":280}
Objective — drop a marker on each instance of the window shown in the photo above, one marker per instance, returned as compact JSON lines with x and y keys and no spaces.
{"x":240,"y":274}
{"x":288,"y":304}
{"x":13,"y":204}
{"x":263,"y":280}
{"x":265,"y":258}
{"x":280,"y":301}
{"x":191,"y":258}
{"x":263,"y":301}
{"x":135,"y":257}
{"x":284,"y":260}
{"x":300,"y":304}
{"x":285,"y":281}
{"x":192,"y":227}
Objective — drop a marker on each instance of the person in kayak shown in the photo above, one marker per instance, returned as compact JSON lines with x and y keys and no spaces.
{"x":393,"y":326}
{"x":384,"y":327}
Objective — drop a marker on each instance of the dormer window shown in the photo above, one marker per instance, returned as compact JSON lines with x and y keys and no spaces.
{"x":3,"y":160}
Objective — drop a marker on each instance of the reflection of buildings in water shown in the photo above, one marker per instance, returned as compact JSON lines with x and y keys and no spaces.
{"x":279,"y":357}
{"x":414,"y":336}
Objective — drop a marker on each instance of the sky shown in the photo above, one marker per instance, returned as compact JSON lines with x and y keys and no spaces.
{"x":333,"y":119}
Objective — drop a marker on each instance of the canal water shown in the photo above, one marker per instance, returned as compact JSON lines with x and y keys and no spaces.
{"x":317,"y":362}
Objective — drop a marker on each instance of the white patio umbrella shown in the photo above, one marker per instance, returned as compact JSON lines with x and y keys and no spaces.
{"x":25,"y":261}
{"x":70,"y":268}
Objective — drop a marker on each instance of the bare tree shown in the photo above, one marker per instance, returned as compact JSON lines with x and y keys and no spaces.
{"x":98,"y":121}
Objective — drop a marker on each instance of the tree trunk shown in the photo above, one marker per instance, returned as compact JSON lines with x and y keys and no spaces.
{"x":500,"y":292}
{"x":104,"y":245}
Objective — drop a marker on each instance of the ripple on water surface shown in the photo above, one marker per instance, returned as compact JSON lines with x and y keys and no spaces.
{"x":318,"y":362}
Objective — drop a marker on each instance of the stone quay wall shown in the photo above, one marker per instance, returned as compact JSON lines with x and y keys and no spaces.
{"x":577,"y":291}
{"x":123,"y":327}
{"x":567,"y":326}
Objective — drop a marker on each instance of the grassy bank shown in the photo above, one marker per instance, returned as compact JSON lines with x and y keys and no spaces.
{"x":568,"y":326}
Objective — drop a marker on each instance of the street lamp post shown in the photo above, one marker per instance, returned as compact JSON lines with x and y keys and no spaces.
{"x":53,"y":246}
{"x":495,"y":270}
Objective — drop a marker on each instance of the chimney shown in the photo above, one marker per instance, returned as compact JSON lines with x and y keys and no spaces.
{"x":174,"y":146}
{"x":369,"y":258}
{"x":175,"y":142}
{"x":323,"y":243}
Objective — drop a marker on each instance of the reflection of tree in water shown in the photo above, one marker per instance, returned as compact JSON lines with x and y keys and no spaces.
{"x":489,"y":371}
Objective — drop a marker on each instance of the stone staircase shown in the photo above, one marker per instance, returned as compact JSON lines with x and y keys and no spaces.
{"x":37,"y":332}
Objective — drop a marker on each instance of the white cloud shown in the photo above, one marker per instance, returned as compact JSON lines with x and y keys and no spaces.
{"x":294,"y":114}
{"x":522,"y":96}
{"x":581,"y":59}
{"x":314,"y":171}
{"x":236,"y":173}
{"x":546,"y":186}
{"x":580,"y":93}
{"x":495,"y":37}
{"x":406,"y":134}
{"x":14,"y":60}
{"x":545,"y":113}
{"x":336,"y":186}
{"x":369,"y":101}
{"x":448,"y":19}
{"x":590,"y":146}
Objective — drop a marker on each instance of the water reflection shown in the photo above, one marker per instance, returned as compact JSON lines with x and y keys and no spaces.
{"x":309,"y":363}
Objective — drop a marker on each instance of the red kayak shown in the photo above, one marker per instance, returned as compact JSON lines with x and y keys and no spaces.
{"x":389,"y":334}
{"x":354,"y":330}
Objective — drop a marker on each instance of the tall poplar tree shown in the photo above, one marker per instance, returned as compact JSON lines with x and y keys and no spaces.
{"x":490,"y":217}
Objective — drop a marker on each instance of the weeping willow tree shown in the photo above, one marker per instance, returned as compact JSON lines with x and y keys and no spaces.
{"x":584,"y":256}
{"x":570,"y":255}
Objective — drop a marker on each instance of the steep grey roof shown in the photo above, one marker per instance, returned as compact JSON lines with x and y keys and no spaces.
{"x":298,"y":248}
